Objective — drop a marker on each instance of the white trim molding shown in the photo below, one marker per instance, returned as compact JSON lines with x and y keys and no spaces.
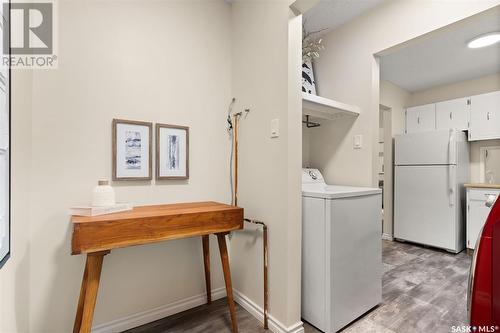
{"x":274,"y":325}
{"x":388,"y":237}
{"x":148,"y":316}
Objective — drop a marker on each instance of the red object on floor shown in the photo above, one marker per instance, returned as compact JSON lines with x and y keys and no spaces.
{"x":484,"y":283}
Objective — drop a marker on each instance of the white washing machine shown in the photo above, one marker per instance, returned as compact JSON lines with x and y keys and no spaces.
{"x":341,"y":251}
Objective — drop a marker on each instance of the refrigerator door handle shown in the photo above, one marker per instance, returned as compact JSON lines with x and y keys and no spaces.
{"x":451,"y":169}
{"x":451,"y":181}
{"x":451,"y":147}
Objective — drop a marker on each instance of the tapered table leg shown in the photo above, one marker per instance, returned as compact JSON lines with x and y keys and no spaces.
{"x":206,"y":260}
{"x":88,"y":292}
{"x":221,"y":238}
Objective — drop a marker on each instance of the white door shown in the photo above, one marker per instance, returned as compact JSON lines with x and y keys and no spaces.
{"x":424,"y":210}
{"x":421,"y":118}
{"x":477,"y":212}
{"x":453,"y":114}
{"x":485,"y":116}
{"x":314,"y":262}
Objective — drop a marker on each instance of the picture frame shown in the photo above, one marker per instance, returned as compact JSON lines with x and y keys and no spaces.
{"x":172,"y":152}
{"x":132,"y":150}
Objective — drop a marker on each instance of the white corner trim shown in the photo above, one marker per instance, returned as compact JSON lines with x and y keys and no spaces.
{"x":387,"y":237}
{"x":141,"y":318}
{"x":274,"y":325}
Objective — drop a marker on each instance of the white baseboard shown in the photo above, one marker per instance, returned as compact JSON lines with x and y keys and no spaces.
{"x":141,"y":318}
{"x":274,"y":325}
{"x":387,"y":237}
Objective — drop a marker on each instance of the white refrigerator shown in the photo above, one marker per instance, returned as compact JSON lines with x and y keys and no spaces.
{"x":429,"y":197}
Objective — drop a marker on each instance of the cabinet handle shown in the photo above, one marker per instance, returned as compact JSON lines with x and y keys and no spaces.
{"x":451,"y":116}
{"x":488,"y":116}
{"x":418,"y":119}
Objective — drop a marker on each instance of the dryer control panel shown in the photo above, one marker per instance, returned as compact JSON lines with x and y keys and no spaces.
{"x":311,"y":176}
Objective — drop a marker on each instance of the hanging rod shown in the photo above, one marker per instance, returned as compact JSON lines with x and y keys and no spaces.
{"x":310,"y":124}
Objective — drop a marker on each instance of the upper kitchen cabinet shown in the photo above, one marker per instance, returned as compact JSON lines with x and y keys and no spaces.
{"x":485,"y":117}
{"x":421,"y":118}
{"x":453,"y":114}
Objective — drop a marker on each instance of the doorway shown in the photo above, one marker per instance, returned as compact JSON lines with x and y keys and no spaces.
{"x":384,"y":168}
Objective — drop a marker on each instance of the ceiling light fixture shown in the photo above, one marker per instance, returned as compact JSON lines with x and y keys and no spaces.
{"x":484,"y":40}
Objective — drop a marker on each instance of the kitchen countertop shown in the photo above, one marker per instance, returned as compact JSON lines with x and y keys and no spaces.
{"x":482,"y":185}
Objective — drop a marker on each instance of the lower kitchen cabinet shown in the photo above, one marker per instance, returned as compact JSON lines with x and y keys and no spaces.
{"x":477,"y":211}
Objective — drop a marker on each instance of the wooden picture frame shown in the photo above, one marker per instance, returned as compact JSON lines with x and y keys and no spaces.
{"x":129,"y":162}
{"x":171,"y":166}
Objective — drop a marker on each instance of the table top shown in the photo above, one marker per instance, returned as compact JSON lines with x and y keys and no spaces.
{"x":157,"y":210}
{"x":482,"y":185}
{"x":149,"y":224}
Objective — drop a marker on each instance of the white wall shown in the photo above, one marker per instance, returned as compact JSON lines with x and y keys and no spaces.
{"x":270,"y":168}
{"x":154,"y":61}
{"x":462,"y":89}
{"x":348,"y":71}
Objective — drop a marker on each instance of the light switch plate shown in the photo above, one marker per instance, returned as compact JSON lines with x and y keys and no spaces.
{"x":358,"y":141}
{"x":275,"y":128}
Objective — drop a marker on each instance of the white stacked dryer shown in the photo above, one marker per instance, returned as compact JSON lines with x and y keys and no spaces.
{"x":341,"y":252}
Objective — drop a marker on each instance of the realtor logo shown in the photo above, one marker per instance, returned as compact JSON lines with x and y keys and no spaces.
{"x":32,"y":27}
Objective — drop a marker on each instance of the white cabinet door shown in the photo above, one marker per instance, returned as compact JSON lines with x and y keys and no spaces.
{"x":477,"y":212}
{"x":421,"y":118}
{"x":485,"y":117}
{"x":453,"y":114}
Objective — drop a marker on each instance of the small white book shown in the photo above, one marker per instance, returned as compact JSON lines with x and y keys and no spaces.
{"x":94,"y":210}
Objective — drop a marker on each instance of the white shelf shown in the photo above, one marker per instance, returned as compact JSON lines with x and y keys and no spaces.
{"x":325,"y":108}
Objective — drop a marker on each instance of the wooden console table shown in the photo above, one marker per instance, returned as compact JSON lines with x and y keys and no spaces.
{"x":97,"y":236}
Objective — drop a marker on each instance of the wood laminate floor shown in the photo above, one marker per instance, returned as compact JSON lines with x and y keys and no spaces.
{"x":424,"y":290}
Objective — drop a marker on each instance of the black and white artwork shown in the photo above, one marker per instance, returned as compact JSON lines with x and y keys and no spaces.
{"x":132,"y":158}
{"x":308,"y":83}
{"x":172,"y":152}
{"x":133,"y":150}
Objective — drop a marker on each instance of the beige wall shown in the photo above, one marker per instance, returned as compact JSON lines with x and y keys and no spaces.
{"x":462,"y":89}
{"x":306,"y":138}
{"x":270,"y":168}
{"x":154,"y":61}
{"x":15,"y":274}
{"x":467,"y":88}
{"x":171,"y":62}
{"x":348,"y":71}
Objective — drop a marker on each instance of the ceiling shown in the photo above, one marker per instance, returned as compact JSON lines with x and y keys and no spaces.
{"x":330,"y":14}
{"x":444,"y":58}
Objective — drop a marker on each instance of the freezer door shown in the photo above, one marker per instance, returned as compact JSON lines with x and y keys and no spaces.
{"x":438,"y":147}
{"x":424,"y":207}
